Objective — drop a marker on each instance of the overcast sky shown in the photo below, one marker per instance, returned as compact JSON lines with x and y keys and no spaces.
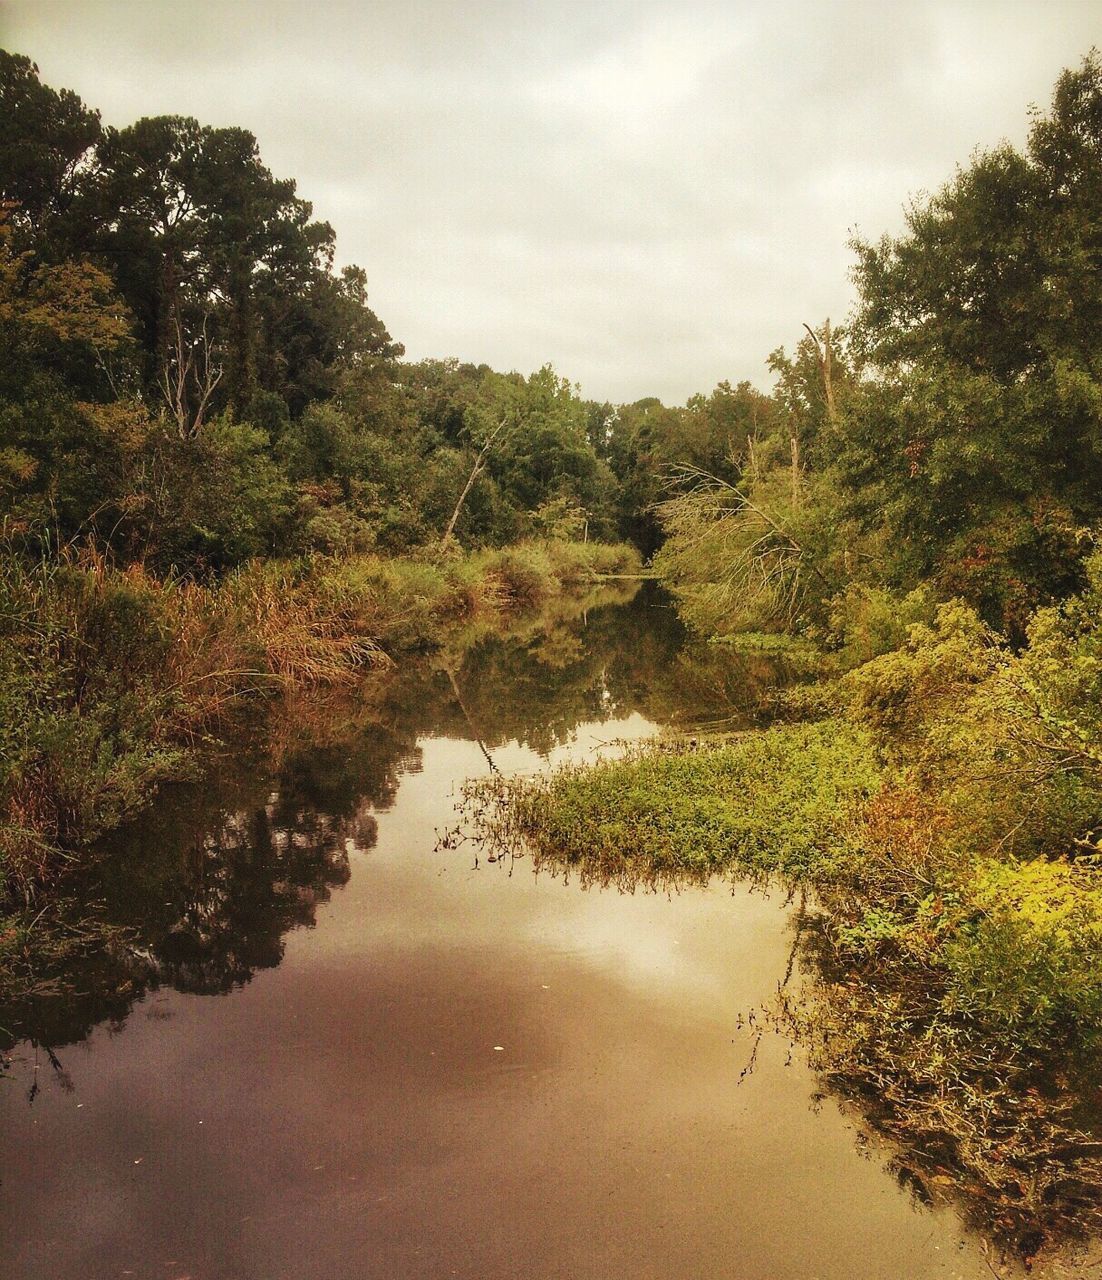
{"x":651,"y":196}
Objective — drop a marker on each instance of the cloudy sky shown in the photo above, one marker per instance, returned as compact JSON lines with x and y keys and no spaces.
{"x":651,"y":196}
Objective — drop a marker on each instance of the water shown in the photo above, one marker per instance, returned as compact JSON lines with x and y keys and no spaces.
{"x":335,"y":1052}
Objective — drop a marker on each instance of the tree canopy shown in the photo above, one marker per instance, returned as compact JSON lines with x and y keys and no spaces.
{"x":191,"y":381}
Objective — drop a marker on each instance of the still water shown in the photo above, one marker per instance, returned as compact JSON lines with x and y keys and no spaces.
{"x":334,"y":1050}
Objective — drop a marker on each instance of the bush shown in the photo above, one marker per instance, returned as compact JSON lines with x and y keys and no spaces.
{"x":899,"y":693}
{"x":1029,"y":956}
{"x":108,"y":677}
{"x":867,"y":622}
{"x":82,"y":692}
{"x":525,"y":574}
{"x":571,"y":562}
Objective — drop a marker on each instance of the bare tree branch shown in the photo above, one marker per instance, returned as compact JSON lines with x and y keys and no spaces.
{"x":476,"y":471}
{"x":181,"y":369}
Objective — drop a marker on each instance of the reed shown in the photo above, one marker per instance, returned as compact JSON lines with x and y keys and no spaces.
{"x":112,"y":680}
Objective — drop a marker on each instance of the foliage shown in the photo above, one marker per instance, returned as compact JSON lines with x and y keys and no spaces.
{"x":642,"y":442}
{"x":82,"y":688}
{"x":1028,"y":953}
{"x":948,"y":818}
{"x":976,"y":439}
{"x":764,"y":554}
{"x":218,"y":477}
{"x":45,"y":140}
{"x":867,"y":621}
{"x":1057,"y":680}
{"x":192,"y":384}
{"x":900,"y":693}
{"x":774,"y":800}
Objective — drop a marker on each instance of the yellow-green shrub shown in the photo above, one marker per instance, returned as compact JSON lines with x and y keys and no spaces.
{"x":1030,"y":954}
{"x":866,"y":622}
{"x":525,"y":573}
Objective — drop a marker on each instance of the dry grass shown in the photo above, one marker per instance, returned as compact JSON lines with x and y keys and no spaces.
{"x":110,"y":678}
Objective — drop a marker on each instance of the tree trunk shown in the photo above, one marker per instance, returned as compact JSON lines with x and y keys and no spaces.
{"x":476,"y":471}
{"x":826,"y":361}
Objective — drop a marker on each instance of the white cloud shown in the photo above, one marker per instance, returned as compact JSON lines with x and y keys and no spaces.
{"x":650,"y":195}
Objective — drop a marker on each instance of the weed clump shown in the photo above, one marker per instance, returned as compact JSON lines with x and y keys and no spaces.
{"x":761,"y":802}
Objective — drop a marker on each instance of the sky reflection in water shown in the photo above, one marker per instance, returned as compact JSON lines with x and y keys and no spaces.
{"x":418,"y":1067}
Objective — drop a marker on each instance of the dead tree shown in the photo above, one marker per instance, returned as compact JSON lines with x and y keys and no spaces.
{"x":476,"y":471}
{"x":189,"y":377}
{"x":826,"y":368}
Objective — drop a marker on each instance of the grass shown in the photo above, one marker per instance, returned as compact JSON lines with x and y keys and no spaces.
{"x":112,"y":681}
{"x":778,"y":800}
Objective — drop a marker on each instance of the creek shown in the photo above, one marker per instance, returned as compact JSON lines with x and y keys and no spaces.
{"x":334,"y":1049}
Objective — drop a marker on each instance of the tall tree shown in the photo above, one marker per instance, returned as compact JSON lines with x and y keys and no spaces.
{"x":980,"y":439}
{"x":206,"y":246}
{"x":47,"y":141}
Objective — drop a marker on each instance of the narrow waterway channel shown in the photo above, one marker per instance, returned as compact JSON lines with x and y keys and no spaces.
{"x":334,"y":1050}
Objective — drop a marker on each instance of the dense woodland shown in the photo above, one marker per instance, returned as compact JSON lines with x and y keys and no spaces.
{"x":188,"y":383}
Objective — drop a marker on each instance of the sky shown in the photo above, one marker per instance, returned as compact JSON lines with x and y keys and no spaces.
{"x":650,"y":196}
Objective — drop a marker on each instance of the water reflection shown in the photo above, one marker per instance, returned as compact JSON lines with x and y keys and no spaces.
{"x":208,"y":882}
{"x":444,"y":1078}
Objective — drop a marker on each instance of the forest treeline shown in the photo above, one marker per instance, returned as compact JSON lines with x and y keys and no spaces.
{"x":189,"y":386}
{"x":950,"y":439}
{"x":188,"y":383}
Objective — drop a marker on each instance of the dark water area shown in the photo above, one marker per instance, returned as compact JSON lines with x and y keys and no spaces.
{"x":331,"y":1049}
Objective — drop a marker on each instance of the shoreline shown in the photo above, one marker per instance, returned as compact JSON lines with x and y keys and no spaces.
{"x":134,"y":681}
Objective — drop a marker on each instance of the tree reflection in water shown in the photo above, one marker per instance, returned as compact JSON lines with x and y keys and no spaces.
{"x":205,"y":885}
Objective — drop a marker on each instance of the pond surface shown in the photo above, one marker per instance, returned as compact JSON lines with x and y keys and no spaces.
{"x":336,"y":1051}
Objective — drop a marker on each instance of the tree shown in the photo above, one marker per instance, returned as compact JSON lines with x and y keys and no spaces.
{"x":812,"y":388}
{"x":224,"y":268}
{"x":978,"y":434}
{"x":331,"y":343}
{"x":67,"y":427}
{"x":479,"y":466}
{"x":47,"y":141}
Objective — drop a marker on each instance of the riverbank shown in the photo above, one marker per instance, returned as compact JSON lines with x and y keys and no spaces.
{"x":931,"y":801}
{"x":114,"y":681}
{"x":297,"y":950}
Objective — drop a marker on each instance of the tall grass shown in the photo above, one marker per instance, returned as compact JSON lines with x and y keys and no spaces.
{"x":111,"y":679}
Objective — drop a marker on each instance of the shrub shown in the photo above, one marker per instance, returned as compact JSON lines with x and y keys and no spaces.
{"x":525,"y":573}
{"x":1029,"y":956}
{"x":899,"y":693}
{"x":612,"y":557}
{"x":82,"y":652}
{"x":108,"y":677}
{"x":866,"y":622}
